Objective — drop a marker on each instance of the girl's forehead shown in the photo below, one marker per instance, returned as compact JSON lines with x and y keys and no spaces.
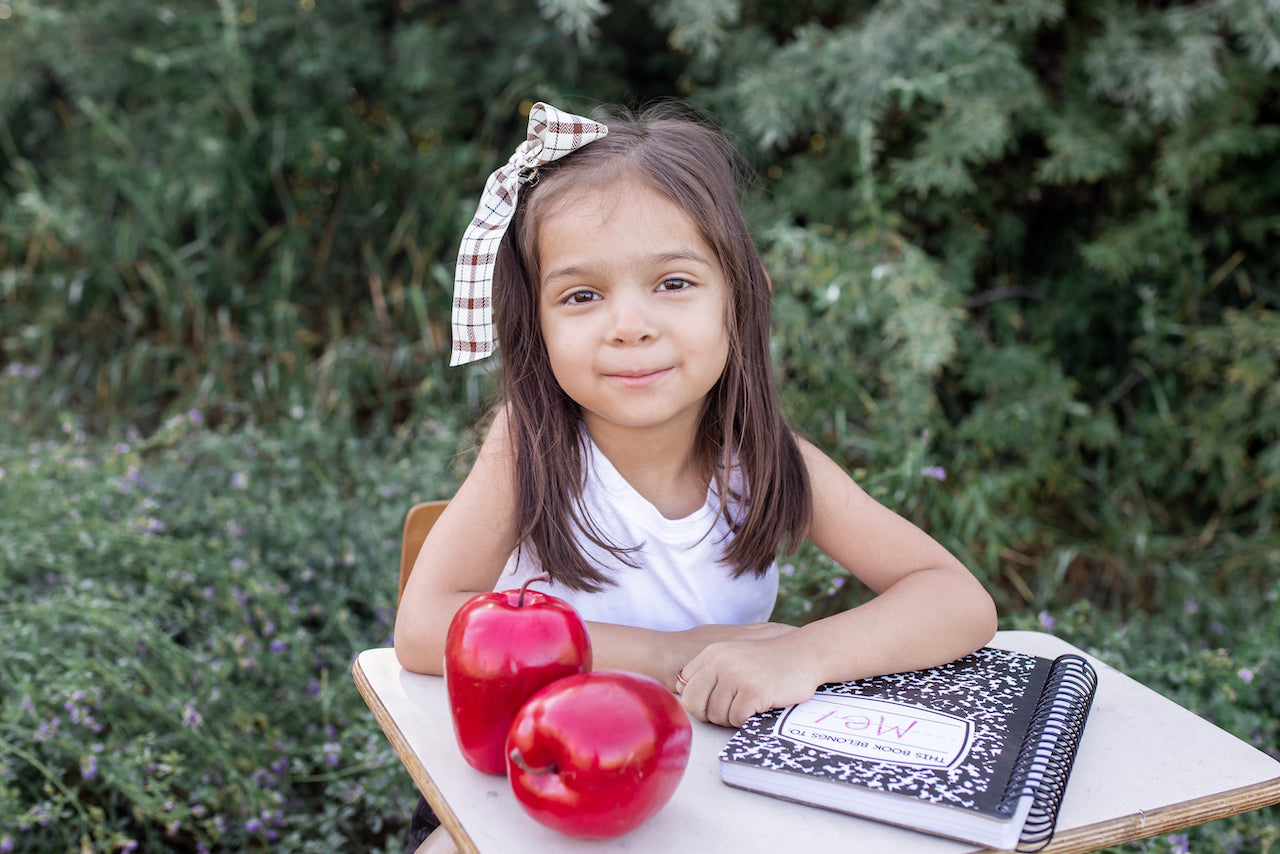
{"x":609,"y":198}
{"x":574,"y":191}
{"x":604,"y":216}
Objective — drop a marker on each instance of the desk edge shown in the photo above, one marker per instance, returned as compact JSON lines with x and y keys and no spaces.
{"x":448,"y":820}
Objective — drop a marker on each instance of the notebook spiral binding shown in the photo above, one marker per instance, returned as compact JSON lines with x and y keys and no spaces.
{"x":1045,"y":761}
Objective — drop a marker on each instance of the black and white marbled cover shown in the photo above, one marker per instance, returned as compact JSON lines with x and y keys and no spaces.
{"x":947,"y":735}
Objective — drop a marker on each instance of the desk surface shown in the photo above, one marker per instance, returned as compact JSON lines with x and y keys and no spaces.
{"x":1145,"y":766}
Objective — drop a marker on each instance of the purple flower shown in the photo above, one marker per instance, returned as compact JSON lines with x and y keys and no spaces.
{"x":1047,"y":621}
{"x":239,"y":481}
{"x":935,"y":472}
{"x":1178,"y":843}
{"x":88,"y":767}
{"x":331,"y":751}
{"x":6,"y":844}
{"x":190,"y":717}
{"x":1246,"y":675}
{"x":47,"y":730}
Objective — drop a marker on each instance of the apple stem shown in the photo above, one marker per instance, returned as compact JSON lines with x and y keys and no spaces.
{"x":546,"y":576}
{"x":523,"y":766}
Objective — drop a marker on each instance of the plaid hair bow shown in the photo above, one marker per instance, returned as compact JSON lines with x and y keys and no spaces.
{"x":552,"y":135}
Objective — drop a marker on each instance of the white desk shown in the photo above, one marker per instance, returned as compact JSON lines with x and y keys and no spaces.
{"x":1145,"y":766}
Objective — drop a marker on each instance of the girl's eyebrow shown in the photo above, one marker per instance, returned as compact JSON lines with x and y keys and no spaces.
{"x":668,"y":257}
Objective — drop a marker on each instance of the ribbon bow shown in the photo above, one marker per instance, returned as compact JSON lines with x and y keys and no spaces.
{"x":552,"y":135}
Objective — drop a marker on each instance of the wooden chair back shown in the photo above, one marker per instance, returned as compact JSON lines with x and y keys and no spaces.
{"x":417,"y":522}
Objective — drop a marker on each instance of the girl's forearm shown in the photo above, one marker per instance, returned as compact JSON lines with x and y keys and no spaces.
{"x":661,"y":655}
{"x":927,"y":618}
{"x":646,"y":651}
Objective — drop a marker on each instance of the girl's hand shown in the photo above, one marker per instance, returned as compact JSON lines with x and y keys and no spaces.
{"x":730,"y":681}
{"x":682,"y":648}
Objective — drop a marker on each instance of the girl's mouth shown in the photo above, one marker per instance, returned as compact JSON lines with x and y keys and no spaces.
{"x":638,"y":379}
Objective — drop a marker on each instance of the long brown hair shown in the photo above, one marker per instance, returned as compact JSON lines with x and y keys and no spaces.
{"x":742,"y":426}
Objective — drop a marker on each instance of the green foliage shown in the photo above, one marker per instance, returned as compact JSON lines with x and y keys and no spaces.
{"x":180,"y":617}
{"x":249,"y":208}
{"x":1085,"y":201}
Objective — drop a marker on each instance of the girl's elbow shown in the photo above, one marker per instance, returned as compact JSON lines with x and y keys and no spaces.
{"x":983,"y":618}
{"x":414,"y":654}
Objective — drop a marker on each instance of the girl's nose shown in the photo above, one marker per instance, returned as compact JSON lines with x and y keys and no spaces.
{"x":631,"y":321}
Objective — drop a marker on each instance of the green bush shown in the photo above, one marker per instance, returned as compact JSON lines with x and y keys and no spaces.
{"x":1039,"y":235}
{"x":181,"y":615}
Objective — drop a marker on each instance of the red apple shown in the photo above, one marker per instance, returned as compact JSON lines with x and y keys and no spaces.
{"x":502,"y":647}
{"x":594,"y":756}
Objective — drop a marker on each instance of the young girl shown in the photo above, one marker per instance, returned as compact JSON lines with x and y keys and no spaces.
{"x":640,"y":456}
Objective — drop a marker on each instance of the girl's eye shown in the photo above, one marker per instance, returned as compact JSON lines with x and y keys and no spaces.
{"x":580,"y":298}
{"x":675,"y":285}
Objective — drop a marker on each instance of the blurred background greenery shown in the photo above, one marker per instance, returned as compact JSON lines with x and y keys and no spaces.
{"x":1024,"y":256}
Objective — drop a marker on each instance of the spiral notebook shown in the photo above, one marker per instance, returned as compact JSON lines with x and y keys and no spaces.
{"x":977,"y":750}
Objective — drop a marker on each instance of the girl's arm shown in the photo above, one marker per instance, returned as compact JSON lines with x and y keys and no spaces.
{"x":929,"y":609}
{"x":463,"y":555}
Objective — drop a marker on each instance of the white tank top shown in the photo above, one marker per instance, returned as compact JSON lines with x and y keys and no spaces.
{"x":678,"y":581}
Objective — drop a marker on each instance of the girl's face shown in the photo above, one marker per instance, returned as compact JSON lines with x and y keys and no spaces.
{"x":632,"y":308}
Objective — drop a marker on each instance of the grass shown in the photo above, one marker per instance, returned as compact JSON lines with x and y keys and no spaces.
{"x":184,"y":607}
